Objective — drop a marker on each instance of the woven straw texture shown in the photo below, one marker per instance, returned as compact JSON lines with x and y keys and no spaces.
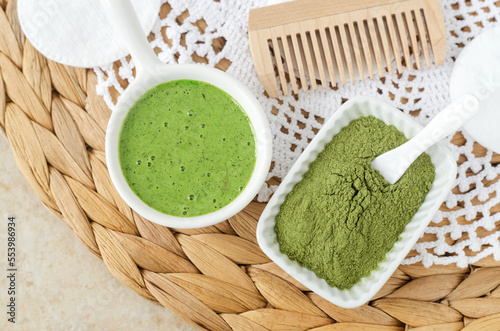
{"x":216,"y":278}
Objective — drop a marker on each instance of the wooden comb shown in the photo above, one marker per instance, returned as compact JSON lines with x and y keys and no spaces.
{"x":308,"y":40}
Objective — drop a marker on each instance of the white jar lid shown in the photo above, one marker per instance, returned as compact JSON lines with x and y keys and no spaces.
{"x":77,"y":32}
{"x":477,"y":71}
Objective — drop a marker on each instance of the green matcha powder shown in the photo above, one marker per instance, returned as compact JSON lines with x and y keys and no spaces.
{"x":342,"y":218}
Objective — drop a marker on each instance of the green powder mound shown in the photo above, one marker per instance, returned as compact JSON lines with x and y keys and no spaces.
{"x":342,"y":218}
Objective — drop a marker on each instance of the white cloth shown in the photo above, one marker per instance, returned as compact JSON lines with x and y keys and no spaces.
{"x":293,"y":122}
{"x":77,"y":32}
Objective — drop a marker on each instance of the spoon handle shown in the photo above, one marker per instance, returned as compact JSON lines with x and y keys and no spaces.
{"x":394,"y":163}
{"x":122,"y":16}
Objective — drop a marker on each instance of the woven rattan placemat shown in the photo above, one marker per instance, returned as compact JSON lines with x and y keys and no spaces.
{"x":216,"y":277}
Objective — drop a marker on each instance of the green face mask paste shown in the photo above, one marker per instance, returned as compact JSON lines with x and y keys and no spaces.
{"x":342,"y":218}
{"x":186,"y":148}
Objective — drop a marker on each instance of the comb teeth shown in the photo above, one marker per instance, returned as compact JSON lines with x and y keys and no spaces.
{"x":346,"y":47}
{"x":353,"y":50}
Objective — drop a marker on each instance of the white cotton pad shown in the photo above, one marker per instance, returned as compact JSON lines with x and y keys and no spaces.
{"x":77,"y":32}
{"x":477,"y":71}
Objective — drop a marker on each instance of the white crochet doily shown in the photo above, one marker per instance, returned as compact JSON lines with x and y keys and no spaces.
{"x":467,"y":227}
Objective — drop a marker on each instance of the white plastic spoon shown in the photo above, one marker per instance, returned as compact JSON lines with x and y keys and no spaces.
{"x":394,"y":163}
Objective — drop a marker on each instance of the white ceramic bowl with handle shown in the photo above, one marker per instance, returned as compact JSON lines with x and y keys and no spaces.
{"x":151,"y":72}
{"x":367,"y":287}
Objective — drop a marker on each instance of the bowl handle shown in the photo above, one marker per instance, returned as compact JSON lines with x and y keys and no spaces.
{"x":122,"y":16}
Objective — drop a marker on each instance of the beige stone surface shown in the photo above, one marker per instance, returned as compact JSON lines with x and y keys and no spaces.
{"x":60,"y":285}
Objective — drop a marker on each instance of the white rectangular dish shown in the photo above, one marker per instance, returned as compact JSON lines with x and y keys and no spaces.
{"x":367,"y":287}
